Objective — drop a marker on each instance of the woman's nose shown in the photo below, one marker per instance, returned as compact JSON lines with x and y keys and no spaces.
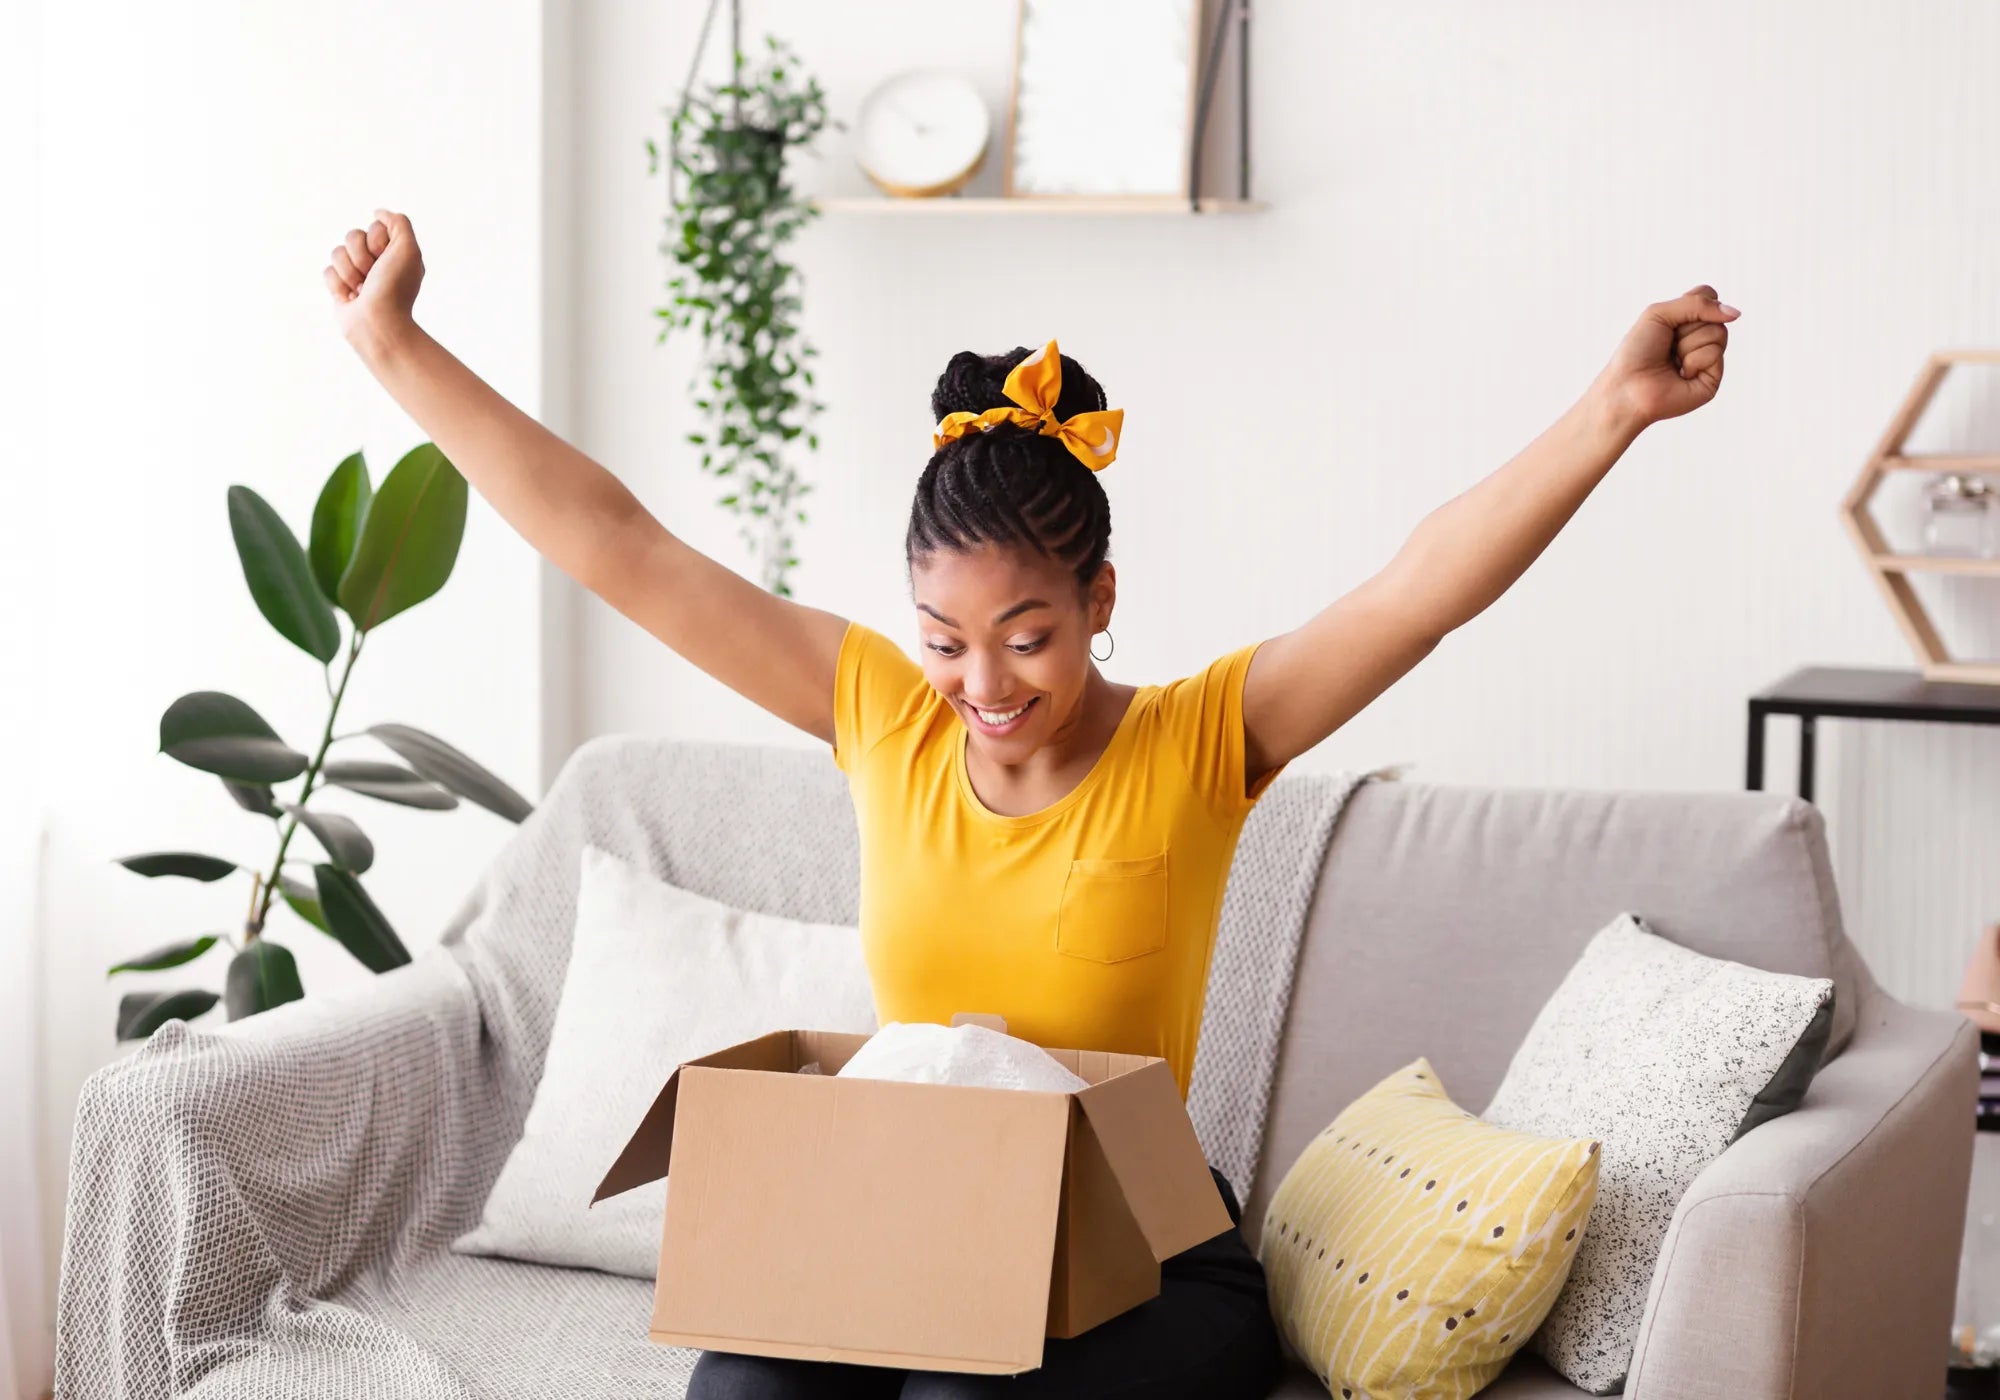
{"x":987,"y":682}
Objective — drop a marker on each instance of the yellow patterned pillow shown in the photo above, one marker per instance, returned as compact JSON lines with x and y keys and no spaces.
{"x":1413,"y":1247}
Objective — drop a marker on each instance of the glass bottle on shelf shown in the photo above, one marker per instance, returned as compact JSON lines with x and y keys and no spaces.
{"x":1959,"y":516}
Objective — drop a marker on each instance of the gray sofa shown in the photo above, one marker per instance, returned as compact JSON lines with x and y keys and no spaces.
{"x":264,"y":1209}
{"x":1817,"y":1257}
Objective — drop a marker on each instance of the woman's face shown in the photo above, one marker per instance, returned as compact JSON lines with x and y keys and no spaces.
{"x":1005,"y":638}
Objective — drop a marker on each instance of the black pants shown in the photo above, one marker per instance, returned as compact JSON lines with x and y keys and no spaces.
{"x":1208,"y":1335}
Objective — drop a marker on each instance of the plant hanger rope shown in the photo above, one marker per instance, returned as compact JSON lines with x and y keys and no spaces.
{"x":730,"y":214}
{"x":687,"y":89}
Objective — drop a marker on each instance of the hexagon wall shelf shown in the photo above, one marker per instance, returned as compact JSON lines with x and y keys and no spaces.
{"x":1891,"y":570}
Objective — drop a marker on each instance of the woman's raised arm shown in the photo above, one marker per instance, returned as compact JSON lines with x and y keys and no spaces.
{"x":1306,"y":683}
{"x":778,"y":653}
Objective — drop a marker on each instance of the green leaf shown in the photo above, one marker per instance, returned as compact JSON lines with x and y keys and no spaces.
{"x":336,"y":525}
{"x":388,"y":782}
{"x":167,"y":955}
{"x":219,"y":734}
{"x":252,"y":797}
{"x":142,"y":1013}
{"x":304,"y":900}
{"x":260,"y":977}
{"x":353,"y":919}
{"x":337,"y":835}
{"x":409,"y":541}
{"x":442,"y":764}
{"x":280,"y":579}
{"x":187,"y":864}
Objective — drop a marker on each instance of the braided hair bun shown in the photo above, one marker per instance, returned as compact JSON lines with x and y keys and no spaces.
{"x":974,"y":383}
{"x":1010,"y":485}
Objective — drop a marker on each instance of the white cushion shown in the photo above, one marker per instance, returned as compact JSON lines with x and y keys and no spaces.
{"x":657,"y":975}
{"x":1667,"y":1056}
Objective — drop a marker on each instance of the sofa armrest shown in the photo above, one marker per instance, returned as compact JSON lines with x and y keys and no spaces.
{"x":1818,"y":1255}
{"x":219,"y":1176}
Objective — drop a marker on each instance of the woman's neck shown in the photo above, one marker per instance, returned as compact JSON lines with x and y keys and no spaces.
{"x":1051,"y":771}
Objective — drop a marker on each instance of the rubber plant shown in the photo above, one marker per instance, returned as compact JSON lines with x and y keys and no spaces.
{"x":732,"y":215}
{"x":371,"y":556}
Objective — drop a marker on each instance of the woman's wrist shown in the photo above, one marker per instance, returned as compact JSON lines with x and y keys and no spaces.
{"x":1609,"y":415}
{"x":377,"y":338}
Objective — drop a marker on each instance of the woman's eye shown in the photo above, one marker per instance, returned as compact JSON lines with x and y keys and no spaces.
{"x":1023,"y":649}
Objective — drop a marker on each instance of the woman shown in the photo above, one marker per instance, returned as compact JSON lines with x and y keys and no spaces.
{"x":1088,"y":825}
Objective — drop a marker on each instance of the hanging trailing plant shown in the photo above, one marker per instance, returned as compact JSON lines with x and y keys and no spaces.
{"x":732,"y":216}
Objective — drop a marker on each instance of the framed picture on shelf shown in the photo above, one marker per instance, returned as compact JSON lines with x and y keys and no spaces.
{"x":1104,"y":96}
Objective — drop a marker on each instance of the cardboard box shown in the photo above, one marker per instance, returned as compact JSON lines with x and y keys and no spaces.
{"x":926,"y":1226}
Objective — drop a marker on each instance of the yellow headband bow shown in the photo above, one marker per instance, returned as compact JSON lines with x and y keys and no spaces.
{"x":1035,"y":384}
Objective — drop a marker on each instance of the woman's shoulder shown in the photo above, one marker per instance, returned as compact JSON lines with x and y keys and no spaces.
{"x":1200,"y":697}
{"x":1199,"y":718}
{"x":879,"y":690}
{"x":864,"y":649}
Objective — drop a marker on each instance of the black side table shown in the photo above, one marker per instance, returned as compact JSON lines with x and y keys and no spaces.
{"x":1844,"y":692}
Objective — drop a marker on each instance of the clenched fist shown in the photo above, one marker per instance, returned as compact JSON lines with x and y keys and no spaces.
{"x":375,"y":274}
{"x":1670,"y":363}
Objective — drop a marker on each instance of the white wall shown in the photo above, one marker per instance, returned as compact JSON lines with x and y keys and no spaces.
{"x":26,"y":1334}
{"x":198,"y":164}
{"x":1469,"y":205}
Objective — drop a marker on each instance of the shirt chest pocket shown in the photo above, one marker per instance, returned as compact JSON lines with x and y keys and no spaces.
{"x":1112,"y":910}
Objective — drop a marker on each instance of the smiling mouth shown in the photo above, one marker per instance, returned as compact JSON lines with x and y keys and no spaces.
{"x":1000,"y":719}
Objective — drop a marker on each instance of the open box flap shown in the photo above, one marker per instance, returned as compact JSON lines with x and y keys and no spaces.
{"x":1142,"y":1128}
{"x":1103,"y":1263}
{"x":646,"y":1155}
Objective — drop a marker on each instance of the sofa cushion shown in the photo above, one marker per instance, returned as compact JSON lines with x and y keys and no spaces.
{"x":1668,"y":1056}
{"x":1412,"y":1249}
{"x":1445,"y":916}
{"x":657,"y":975}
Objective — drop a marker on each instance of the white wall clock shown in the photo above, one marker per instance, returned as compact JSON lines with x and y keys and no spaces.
{"x":921,"y":134}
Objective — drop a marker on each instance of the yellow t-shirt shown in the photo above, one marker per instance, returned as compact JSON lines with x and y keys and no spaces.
{"x":1088,"y":924}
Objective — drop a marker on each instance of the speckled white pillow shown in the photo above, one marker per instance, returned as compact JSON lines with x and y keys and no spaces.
{"x":1667,"y":1056}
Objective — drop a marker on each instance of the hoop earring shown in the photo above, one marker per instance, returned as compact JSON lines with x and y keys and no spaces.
{"x":1107,"y":655}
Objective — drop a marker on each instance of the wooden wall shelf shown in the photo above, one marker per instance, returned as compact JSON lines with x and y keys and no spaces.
{"x":948,"y":205}
{"x":1891,"y":570}
{"x":1937,"y":564}
{"x":1940,"y":462}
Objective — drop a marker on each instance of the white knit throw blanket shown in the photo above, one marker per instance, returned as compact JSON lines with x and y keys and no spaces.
{"x":264,"y":1209}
